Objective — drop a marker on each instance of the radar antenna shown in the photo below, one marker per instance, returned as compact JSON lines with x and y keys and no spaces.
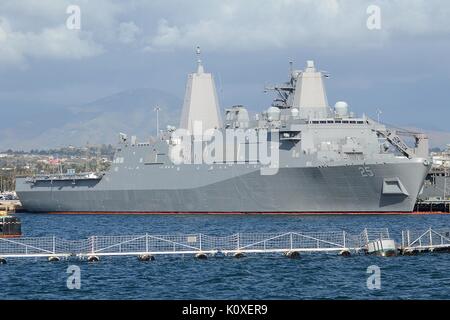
{"x":283,"y":90}
{"x":198,"y":52}
{"x":157,"y":109}
{"x":379,"y":112}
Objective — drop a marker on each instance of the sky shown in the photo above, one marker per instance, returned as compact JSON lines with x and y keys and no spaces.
{"x":395,"y":59}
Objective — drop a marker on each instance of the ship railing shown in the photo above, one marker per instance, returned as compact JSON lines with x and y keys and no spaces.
{"x":59,"y":176}
{"x":425,"y":239}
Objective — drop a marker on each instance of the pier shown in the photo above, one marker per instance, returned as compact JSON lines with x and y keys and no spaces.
{"x":432,"y":206}
{"x":14,"y":204}
{"x":291,"y":244}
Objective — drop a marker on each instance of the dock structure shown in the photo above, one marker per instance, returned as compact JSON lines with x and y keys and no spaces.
{"x":15,"y":205}
{"x":432,"y":206}
{"x":429,"y":240}
{"x":291,"y":244}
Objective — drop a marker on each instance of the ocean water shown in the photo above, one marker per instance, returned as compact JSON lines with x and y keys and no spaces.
{"x":313,"y":276}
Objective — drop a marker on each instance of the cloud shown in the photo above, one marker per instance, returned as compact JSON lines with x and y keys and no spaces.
{"x":36,"y":29}
{"x":219,"y":25}
{"x":254,"y":25}
{"x":166,"y":36}
{"x":128,"y":32}
{"x":54,"y":43}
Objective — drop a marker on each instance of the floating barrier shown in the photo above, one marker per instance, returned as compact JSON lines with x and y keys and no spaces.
{"x":290,"y":244}
{"x":430,"y":240}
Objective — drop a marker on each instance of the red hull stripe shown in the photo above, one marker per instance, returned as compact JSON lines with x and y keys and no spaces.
{"x":10,"y":236}
{"x":244,"y":213}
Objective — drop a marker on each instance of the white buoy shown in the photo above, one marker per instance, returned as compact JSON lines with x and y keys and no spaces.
{"x":292,"y":254}
{"x":146,"y":257}
{"x":345,"y":253}
{"x":2,"y":260}
{"x":53,"y":259}
{"x":239,"y":255}
{"x":201,"y":256}
{"x":93,"y":259}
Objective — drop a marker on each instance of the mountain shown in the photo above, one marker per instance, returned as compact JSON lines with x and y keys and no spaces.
{"x":97,"y":122}
{"x":132,"y":112}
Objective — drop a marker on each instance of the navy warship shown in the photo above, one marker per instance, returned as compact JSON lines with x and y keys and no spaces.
{"x":322,"y":159}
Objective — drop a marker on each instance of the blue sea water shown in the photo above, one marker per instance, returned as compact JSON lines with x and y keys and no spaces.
{"x":313,"y":276}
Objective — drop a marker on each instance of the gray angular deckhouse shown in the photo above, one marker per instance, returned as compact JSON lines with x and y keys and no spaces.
{"x":323,"y":160}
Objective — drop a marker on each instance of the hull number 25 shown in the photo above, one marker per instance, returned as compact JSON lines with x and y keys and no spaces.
{"x":366,"y":171}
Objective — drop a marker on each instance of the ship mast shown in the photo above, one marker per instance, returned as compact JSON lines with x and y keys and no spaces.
{"x":201,"y":104}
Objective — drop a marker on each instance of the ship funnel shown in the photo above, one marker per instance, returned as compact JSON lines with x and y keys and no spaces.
{"x":201,"y":104}
{"x":310,"y":97}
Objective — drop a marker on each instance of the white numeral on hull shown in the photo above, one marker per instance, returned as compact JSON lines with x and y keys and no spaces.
{"x":366,"y":171}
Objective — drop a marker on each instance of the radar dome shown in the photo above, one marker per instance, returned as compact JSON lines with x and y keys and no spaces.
{"x":294,"y":112}
{"x":242,"y":115}
{"x":273,"y":113}
{"x":341,"y":109}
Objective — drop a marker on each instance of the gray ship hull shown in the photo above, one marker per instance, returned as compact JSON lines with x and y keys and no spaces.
{"x":231,"y":189}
